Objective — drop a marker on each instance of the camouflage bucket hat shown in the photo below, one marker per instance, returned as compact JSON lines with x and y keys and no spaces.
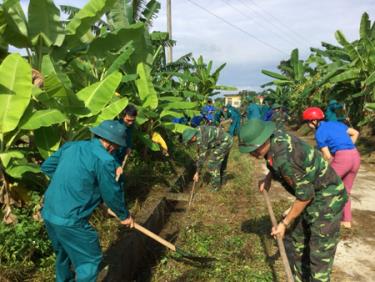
{"x":276,"y":106}
{"x":111,"y":130}
{"x":254,"y":133}
{"x":188,"y":134}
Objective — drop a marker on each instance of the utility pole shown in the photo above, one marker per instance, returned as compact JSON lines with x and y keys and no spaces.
{"x":169,"y":29}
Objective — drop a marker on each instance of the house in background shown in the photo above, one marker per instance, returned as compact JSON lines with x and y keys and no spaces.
{"x":233,"y":99}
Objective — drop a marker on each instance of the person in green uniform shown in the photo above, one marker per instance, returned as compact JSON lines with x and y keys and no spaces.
{"x":315,"y":215}
{"x":218,"y":116}
{"x":214,"y":143}
{"x":82,"y":175}
{"x":335,"y":111}
{"x":253,"y":110}
{"x":278,"y":116}
{"x":235,"y":116}
{"x":129,"y":116}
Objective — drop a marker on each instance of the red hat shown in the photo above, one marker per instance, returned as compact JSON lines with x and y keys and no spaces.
{"x":313,"y":113}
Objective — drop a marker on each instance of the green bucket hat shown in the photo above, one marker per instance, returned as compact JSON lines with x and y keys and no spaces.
{"x":332,"y":102}
{"x":188,"y":134}
{"x":254,"y":133}
{"x":111,"y":130}
{"x":276,"y":106}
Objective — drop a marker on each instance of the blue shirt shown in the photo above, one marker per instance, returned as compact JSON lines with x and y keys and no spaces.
{"x":332,"y":134}
{"x":196,"y":121}
{"x":208,"y":112}
{"x":82,"y":176}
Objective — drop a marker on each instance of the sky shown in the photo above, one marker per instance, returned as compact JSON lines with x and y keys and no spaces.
{"x":269,"y":31}
{"x":251,"y":35}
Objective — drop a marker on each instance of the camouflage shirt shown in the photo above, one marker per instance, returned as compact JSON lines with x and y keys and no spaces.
{"x":209,"y":138}
{"x":279,"y":118}
{"x":304,"y":173}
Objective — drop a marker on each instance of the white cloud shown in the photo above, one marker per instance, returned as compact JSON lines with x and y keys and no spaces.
{"x":315,"y":21}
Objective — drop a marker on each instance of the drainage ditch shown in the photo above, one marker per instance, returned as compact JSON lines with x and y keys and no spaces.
{"x":133,"y":256}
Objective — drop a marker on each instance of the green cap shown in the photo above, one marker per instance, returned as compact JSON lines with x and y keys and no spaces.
{"x":254,"y":133}
{"x":276,"y":106}
{"x":112,"y":131}
{"x":188,"y":134}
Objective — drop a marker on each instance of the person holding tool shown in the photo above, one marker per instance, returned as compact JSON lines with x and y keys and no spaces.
{"x":129,"y":115}
{"x":336,"y":141}
{"x":212,"y":142}
{"x":82,"y":175}
{"x":315,"y":215}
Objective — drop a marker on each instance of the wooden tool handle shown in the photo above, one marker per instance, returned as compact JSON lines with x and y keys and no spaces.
{"x":280,"y":242}
{"x":192,"y":194}
{"x":154,"y":236}
{"x":122,"y":166}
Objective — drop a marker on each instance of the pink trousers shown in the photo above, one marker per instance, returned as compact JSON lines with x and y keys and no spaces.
{"x":346,"y":164}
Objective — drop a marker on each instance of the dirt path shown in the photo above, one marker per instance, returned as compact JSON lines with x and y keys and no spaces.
{"x":233,"y":226}
{"x":355,"y":257}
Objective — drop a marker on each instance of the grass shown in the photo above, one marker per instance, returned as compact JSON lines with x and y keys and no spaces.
{"x":231,"y":225}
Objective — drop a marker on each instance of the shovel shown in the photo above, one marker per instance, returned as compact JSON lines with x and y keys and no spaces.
{"x":280,"y":242}
{"x":178,"y":251}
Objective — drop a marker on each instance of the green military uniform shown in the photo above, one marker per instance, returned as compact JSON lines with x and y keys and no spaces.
{"x":306,"y":175}
{"x":278,"y":116}
{"x":82,"y":176}
{"x":215,"y":143}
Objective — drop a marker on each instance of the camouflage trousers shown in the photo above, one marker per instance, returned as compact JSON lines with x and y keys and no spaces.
{"x":217,"y":161}
{"x":314,"y":246}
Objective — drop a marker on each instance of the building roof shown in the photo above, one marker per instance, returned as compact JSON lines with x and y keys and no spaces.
{"x":232,"y":95}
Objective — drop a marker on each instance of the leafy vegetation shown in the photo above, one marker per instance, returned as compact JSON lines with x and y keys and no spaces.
{"x":345,"y":72}
{"x":74,"y":72}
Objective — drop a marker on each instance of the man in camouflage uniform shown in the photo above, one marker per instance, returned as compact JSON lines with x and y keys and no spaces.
{"x":212,"y":142}
{"x":320,"y":196}
{"x":279,"y":116}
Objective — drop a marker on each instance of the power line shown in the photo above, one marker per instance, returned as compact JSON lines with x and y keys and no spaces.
{"x":260,"y":24}
{"x":237,"y":27}
{"x":299,"y":36}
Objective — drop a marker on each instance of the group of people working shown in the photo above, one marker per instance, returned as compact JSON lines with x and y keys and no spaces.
{"x":320,"y":180}
{"x":83,"y":174}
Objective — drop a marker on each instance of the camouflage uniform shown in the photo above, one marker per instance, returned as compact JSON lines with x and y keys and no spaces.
{"x":279,"y":117}
{"x":214,"y":143}
{"x":305,"y":174}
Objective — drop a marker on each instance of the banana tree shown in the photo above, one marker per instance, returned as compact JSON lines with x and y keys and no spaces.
{"x":347,"y":72}
{"x":18,"y":121}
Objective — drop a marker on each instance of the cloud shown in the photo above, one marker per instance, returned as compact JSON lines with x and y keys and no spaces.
{"x":284,"y":24}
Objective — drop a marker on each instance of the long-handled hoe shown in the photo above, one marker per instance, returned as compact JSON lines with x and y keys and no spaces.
{"x":280,"y":242}
{"x":145,"y":231}
{"x":205,"y":261}
{"x":192,"y":194}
